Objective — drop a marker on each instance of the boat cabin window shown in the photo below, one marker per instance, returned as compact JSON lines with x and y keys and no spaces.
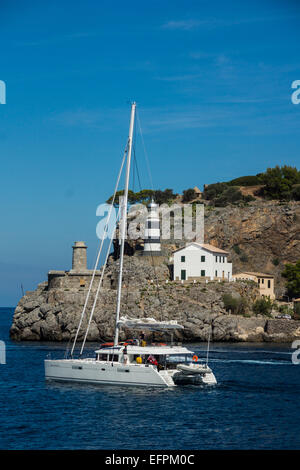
{"x":102,"y":357}
{"x":107,"y":357}
{"x":113,"y":358}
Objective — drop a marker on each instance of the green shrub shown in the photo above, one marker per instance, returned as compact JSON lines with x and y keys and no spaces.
{"x":279,"y":182}
{"x":296,"y":192}
{"x":230,"y":303}
{"x":237,"y":249}
{"x":275,"y":261}
{"x":214,"y":190}
{"x":145,"y":196}
{"x":285,"y":309}
{"x":244,"y":258}
{"x":296,"y":314}
{"x":230,"y":195}
{"x":189,"y":195}
{"x":237,"y":305}
{"x":262,"y":306}
{"x":292,"y":273}
{"x":250,"y":180}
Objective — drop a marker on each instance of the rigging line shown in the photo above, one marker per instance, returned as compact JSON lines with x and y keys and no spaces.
{"x":99,"y":285}
{"x":137,"y":169}
{"x":151,"y":182}
{"x":207,"y":353}
{"x":99,"y":251}
{"x":146,"y":155}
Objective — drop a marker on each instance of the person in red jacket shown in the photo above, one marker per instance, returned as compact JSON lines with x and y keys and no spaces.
{"x":152,"y":360}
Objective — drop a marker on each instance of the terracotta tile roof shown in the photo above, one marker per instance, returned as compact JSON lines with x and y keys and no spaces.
{"x":254,"y":274}
{"x":215,"y":249}
{"x":206,"y":246}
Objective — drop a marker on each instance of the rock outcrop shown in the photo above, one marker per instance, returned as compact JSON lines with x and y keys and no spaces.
{"x":260,"y":236}
{"x":52,"y":314}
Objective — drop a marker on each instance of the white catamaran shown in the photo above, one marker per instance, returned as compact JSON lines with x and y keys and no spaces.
{"x":132,"y":362}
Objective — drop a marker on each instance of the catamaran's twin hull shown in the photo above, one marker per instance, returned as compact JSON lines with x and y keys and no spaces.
{"x":98,"y":372}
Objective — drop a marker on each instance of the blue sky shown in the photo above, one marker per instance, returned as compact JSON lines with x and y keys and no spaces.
{"x":213,"y":85}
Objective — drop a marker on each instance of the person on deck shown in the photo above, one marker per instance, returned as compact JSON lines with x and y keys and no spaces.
{"x":125,"y":357}
{"x":142,"y":338}
{"x":152,"y":360}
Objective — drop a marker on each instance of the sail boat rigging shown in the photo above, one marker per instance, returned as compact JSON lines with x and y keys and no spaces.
{"x":128,"y":364}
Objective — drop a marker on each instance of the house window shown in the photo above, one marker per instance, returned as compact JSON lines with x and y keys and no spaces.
{"x":216,"y":273}
{"x":258,"y":281}
{"x":202,"y":259}
{"x":269,"y":284}
{"x":183,"y":274}
{"x":149,"y":223}
{"x":262,"y":281}
{"x":223,"y":259}
{"x":183,"y":259}
{"x":216,"y":259}
{"x":202,"y":272}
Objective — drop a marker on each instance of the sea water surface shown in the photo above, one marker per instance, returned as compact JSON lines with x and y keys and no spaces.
{"x":256,"y":404}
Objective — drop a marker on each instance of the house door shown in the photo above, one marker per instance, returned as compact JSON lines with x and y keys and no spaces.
{"x":183,"y":274}
{"x":223,"y":274}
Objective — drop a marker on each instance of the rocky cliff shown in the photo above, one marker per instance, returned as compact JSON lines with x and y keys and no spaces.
{"x":260,"y":236}
{"x":53,"y":314}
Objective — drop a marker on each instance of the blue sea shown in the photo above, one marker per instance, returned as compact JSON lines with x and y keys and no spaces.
{"x":255,"y":405}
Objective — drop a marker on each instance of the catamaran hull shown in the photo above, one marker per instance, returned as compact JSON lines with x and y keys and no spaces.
{"x":96,"y":372}
{"x":180,"y":378}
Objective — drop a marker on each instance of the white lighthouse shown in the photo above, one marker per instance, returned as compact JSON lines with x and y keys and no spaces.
{"x":152,"y":232}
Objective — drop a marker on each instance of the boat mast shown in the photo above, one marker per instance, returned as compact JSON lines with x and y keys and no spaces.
{"x":124,"y":220}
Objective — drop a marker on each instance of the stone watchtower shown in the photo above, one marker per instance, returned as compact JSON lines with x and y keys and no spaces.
{"x":79,"y":261}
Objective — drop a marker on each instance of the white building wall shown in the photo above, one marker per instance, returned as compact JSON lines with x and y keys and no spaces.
{"x":212,"y":265}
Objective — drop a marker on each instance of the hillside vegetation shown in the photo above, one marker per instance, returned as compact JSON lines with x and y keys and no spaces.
{"x":279,"y":183}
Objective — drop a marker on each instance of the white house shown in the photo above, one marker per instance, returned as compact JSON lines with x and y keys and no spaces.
{"x":199,"y":261}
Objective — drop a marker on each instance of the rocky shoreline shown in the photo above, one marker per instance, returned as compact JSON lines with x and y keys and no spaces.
{"x":51,"y":313}
{"x":262,"y":235}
